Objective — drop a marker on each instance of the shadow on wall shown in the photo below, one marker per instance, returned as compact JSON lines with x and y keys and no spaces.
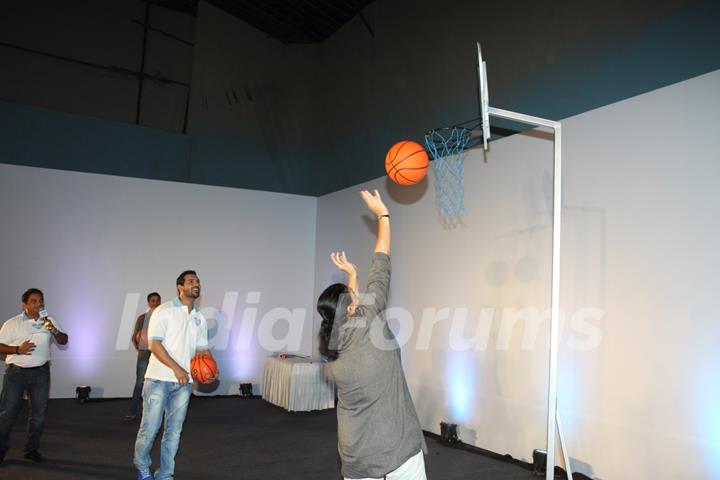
{"x":585,"y":468}
{"x":406,"y":195}
{"x":428,"y":396}
{"x":467,"y":435}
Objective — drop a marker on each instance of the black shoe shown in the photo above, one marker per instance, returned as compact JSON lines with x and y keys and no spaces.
{"x":34,"y":456}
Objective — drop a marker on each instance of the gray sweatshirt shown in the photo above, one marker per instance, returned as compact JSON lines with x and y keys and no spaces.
{"x":378,"y":429}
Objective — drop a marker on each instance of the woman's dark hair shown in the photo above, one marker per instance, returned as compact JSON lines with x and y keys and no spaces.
{"x":332,"y":306}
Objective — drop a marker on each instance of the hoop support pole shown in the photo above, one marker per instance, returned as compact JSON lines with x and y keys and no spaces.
{"x":553,"y":415}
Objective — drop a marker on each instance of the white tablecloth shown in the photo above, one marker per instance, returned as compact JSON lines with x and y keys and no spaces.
{"x":297,"y":384}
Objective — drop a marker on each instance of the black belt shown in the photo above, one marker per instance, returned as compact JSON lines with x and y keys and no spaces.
{"x":12,"y":365}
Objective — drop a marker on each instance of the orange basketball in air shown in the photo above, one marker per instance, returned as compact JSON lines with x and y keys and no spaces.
{"x":203,"y":368}
{"x":406,"y":162}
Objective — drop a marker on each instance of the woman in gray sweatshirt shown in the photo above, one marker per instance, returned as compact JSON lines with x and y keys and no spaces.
{"x":379,"y":434}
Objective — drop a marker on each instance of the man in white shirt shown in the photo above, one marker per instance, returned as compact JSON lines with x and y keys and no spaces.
{"x":177,"y":332}
{"x":25,"y":340}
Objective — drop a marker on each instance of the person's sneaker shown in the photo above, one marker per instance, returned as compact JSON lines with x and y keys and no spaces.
{"x":34,"y":456}
{"x":146,"y":475}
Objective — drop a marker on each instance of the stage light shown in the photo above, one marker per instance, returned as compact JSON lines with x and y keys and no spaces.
{"x":539,"y":461}
{"x":448,"y":433}
{"x":83,"y":394}
{"x":246,"y":390}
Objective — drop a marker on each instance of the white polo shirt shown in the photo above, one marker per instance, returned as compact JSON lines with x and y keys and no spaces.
{"x":20,"y":328}
{"x":180,"y":332}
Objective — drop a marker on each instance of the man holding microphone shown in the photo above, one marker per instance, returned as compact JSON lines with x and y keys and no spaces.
{"x":25,"y":340}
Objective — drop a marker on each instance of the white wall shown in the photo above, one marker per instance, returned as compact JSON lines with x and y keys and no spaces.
{"x":96,"y":245}
{"x":637,"y":387}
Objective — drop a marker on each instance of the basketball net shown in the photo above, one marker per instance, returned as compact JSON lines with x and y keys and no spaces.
{"x":447,"y":147}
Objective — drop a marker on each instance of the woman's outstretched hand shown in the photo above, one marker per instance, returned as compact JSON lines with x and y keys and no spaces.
{"x":341,"y":262}
{"x":374,"y":202}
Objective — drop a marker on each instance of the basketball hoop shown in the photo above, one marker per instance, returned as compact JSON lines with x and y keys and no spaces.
{"x":447,"y":147}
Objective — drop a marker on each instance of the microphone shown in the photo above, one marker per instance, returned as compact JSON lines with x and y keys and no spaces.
{"x":47,"y":323}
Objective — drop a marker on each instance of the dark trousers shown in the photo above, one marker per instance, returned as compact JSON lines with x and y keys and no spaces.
{"x":143,"y":358}
{"x":36,"y":382}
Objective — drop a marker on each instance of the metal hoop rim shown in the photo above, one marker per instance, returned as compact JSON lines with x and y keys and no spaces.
{"x":453,"y":127}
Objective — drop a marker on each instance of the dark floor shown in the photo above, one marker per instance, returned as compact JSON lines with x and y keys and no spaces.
{"x":223,"y":438}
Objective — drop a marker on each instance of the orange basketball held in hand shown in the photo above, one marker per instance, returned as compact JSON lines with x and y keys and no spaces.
{"x":406,"y":162}
{"x":203,"y":368}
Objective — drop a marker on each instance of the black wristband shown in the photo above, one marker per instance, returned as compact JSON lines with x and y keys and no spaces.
{"x":381,"y":216}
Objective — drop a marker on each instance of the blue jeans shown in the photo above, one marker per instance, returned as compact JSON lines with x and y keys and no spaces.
{"x":36,"y":382}
{"x":171,"y":400}
{"x":143,"y":358}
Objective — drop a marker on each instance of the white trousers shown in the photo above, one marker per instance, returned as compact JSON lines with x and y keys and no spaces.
{"x":413,"y":469}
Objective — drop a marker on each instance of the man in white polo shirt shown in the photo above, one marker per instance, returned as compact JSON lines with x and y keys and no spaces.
{"x":25,"y":340}
{"x":177,"y":332}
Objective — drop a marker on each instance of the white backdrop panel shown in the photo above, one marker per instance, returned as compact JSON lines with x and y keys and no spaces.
{"x":98,"y":244}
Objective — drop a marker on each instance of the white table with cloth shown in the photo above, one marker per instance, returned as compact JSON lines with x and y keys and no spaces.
{"x":298,"y":384}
